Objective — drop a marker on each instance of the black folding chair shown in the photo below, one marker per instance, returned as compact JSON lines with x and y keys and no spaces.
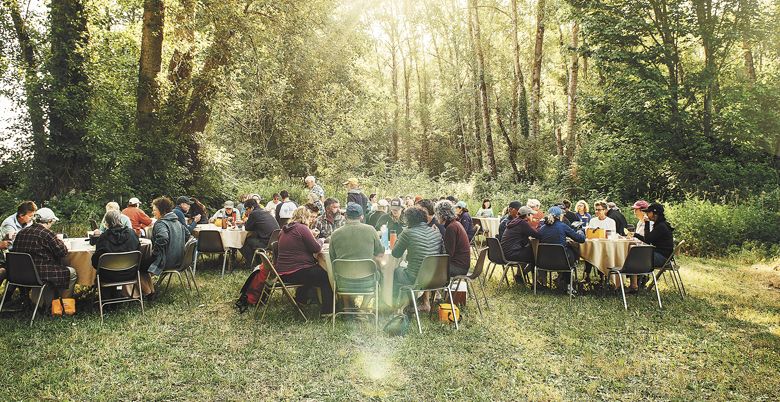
{"x":553,"y":258}
{"x":271,"y":240}
{"x":272,"y":283}
{"x":185,"y":267}
{"x":671,"y":266}
{"x":210,"y":242}
{"x":496,"y":257}
{"x":21,"y":272}
{"x":638,"y":262}
{"x":119,"y":269}
{"x":470,"y":277}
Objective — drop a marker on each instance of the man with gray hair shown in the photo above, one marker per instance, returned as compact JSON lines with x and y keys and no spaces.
{"x":317,"y":194}
{"x":46,"y":250}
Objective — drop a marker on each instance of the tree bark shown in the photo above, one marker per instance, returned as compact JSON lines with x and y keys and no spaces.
{"x":396,"y":101}
{"x":483,"y":92}
{"x":520,"y":100}
{"x":69,"y":101}
{"x":705,"y":21}
{"x":33,"y":91}
{"x":571,"y":113}
{"x":475,"y":93}
{"x":536,"y":71}
{"x":149,"y":66}
{"x":512,"y":152}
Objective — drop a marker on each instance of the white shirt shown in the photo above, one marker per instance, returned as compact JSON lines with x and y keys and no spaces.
{"x":271,"y":207}
{"x":286,"y":212}
{"x":640,"y":227}
{"x":606,"y":224}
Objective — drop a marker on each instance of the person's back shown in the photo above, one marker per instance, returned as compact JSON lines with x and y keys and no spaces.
{"x":355,"y":241}
{"x":516,"y":236}
{"x":138,"y":218}
{"x":297,"y":247}
{"x":46,"y":251}
{"x":419,"y":242}
{"x":557,"y":234}
{"x":620,"y":220}
{"x":261,"y":224}
{"x":168,"y":239}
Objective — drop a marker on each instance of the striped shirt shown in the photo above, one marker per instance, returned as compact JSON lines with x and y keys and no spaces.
{"x":418,"y":242}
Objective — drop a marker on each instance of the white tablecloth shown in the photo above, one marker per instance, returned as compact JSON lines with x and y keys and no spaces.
{"x":80,"y":258}
{"x":231,"y":238}
{"x":606,"y":253}
{"x":387,"y":266}
{"x":490,"y":225}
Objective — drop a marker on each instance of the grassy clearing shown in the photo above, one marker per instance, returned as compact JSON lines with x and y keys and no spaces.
{"x":721,"y":343}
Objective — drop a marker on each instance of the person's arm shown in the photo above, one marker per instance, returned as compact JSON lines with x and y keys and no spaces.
{"x":531,"y":231}
{"x":144,"y":219}
{"x":576,"y":236}
{"x":311,"y":244}
{"x":160,"y":236}
{"x":58,"y":247}
{"x":450,"y":242}
{"x":401,"y":244}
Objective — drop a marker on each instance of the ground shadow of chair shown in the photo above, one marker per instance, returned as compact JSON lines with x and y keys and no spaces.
{"x":210,"y":242}
{"x":470,"y":277}
{"x":185,"y":267}
{"x":119,"y":269}
{"x":553,"y":258}
{"x":496,"y":257}
{"x":356,"y":278}
{"x":22,"y":272}
{"x":432,"y":276}
{"x":639,"y":261}
{"x":272,"y":283}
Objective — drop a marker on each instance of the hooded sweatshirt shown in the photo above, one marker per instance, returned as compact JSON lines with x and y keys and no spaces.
{"x":168,"y":239}
{"x":115,"y":240}
{"x":297,"y":247}
{"x":516,"y":236}
{"x":356,"y":195}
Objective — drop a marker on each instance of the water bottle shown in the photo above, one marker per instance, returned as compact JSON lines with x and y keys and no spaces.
{"x":383,"y":237}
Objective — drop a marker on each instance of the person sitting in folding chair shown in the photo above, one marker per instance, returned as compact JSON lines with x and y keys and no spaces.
{"x":515,"y":242}
{"x":456,"y":240}
{"x":260,"y":224}
{"x":659,"y":234}
{"x":554,"y":231}
{"x":296,"y":261}
{"x":417,"y":241}
{"x":169,"y":236}
{"x":118,"y":238}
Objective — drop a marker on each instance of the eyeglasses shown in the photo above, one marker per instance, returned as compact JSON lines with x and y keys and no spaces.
{"x":600,"y":209}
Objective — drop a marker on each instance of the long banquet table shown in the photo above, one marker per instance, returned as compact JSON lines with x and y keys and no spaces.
{"x":231,"y":238}
{"x":80,"y":258}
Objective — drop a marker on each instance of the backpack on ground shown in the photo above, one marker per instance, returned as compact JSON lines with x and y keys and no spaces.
{"x":252,"y":289}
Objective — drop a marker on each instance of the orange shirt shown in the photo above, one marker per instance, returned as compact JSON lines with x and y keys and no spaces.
{"x":138,"y":217}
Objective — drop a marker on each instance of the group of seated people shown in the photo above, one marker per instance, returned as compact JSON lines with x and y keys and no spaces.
{"x":564,"y":227}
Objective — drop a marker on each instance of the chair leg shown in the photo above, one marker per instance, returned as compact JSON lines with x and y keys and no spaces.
{"x":470,"y":289}
{"x":683,"y":292}
{"x":186,"y":291}
{"x":452,"y":307}
{"x":484,"y":294}
{"x":267,"y":303}
{"x":416,"y":313}
{"x":100,"y":298}
{"x":376,"y":306}
{"x":572,"y":275}
{"x":37,"y":303}
{"x":194,"y":282}
{"x":657,"y":293}
{"x":224,"y":261}
{"x":623,"y":291}
{"x":333,"y":312}
{"x":195,"y":262}
{"x":5,"y":292}
{"x":536,"y":275}
{"x":141,"y":294}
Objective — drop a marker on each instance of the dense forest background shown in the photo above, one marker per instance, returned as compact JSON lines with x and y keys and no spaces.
{"x":657,"y":99}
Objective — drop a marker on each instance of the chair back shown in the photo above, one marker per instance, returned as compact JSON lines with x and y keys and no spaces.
{"x":273,"y":275}
{"x":480,"y":265}
{"x":210,"y":241}
{"x":189,"y":254}
{"x":20,"y":269}
{"x":274,"y":236}
{"x":117,"y":262}
{"x":477,"y":228}
{"x":383,"y":220}
{"x":552,"y":257}
{"x":274,"y":250}
{"x":495,"y":252}
{"x":360,"y":275}
{"x":434,"y":272}
{"x":639,"y":260}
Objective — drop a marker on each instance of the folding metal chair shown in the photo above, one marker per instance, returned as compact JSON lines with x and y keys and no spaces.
{"x":671,"y":266}
{"x":271,"y":240}
{"x":186,"y":267}
{"x":473,"y":242}
{"x":433,"y":276}
{"x":553,"y":258}
{"x":22,"y":272}
{"x":210,"y":242}
{"x":356,"y":278}
{"x":469,"y":278}
{"x":638,"y":262}
{"x":121,"y":269}
{"x":272,"y":283}
{"x":496,"y":257}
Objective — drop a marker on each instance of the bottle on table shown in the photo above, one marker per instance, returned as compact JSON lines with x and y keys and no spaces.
{"x":393,"y":237}
{"x":383,"y":237}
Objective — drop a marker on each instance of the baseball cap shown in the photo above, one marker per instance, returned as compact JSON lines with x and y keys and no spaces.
{"x":654,"y":208}
{"x":525,"y":210}
{"x":641,"y":204}
{"x":183,"y":200}
{"x":229,"y":204}
{"x":555,"y":211}
{"x":46,"y":215}
{"x":354,"y":210}
{"x":515,"y":205}
{"x":383,"y":202}
{"x":396,"y":202}
{"x":351,"y":181}
{"x":461,"y":204}
{"x":417,"y":199}
{"x":134,"y":201}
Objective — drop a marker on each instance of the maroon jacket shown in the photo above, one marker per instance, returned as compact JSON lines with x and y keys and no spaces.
{"x":297,"y":247}
{"x":456,"y":243}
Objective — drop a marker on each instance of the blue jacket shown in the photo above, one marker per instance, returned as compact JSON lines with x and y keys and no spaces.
{"x":557,"y":234}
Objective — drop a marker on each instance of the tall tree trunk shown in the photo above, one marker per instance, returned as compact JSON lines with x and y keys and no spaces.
{"x":396,"y":102}
{"x":512,"y":153}
{"x":571,"y":113}
{"x":69,"y":100}
{"x":476,"y":94}
{"x":705,"y":21}
{"x":33,"y":97}
{"x":536,"y":71}
{"x":149,"y":66}
{"x":520,"y":100}
{"x":407,"y":96}
{"x":483,"y":91}
{"x":747,"y":54}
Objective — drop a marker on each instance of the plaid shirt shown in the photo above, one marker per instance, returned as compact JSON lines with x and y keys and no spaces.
{"x":326,"y":227}
{"x":46,"y":251}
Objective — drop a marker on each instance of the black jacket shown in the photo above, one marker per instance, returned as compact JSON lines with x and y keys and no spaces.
{"x":115,"y":240}
{"x":261,"y":224}
{"x":515,"y":237}
{"x":620,"y":220}
{"x":660,"y":236}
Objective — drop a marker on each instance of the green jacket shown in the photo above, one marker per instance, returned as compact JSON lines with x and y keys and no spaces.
{"x":354,"y":241}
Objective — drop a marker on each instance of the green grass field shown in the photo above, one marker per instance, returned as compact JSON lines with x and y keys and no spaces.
{"x":721,"y":343}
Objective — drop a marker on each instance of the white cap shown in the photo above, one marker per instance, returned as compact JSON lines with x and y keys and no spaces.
{"x":134,"y":201}
{"x":46,"y":215}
